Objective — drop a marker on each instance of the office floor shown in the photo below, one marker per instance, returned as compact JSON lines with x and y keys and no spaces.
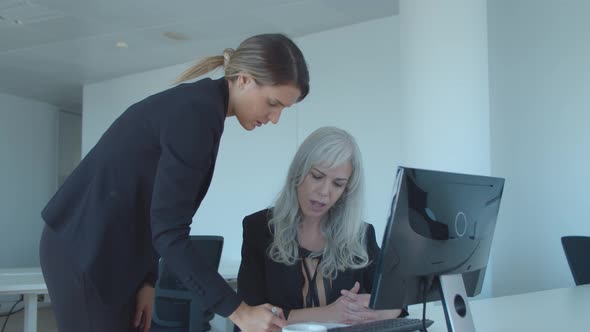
{"x":45,"y":321}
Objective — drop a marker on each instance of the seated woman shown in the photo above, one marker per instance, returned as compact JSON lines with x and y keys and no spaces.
{"x":311,"y":254}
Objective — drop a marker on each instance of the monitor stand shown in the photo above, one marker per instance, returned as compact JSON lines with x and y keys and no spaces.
{"x":455,"y":303}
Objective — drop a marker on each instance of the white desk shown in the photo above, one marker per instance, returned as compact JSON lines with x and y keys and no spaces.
{"x":563,"y":309}
{"x":228,"y":268}
{"x":28,"y":282}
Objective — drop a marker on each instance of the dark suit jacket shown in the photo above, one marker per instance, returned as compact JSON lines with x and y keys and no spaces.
{"x":261,"y":280}
{"x":139,"y":188}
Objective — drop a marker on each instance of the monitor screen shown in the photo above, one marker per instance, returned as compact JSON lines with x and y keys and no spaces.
{"x":440,"y":223}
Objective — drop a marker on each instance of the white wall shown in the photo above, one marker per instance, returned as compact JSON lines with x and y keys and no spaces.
{"x":444,"y":89}
{"x":444,"y":84}
{"x":539,"y":91}
{"x":69,"y":143}
{"x":353,"y":86}
{"x":28,"y":177}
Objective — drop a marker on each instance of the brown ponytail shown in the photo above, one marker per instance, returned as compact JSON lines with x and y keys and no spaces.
{"x":201,"y":68}
{"x":271,"y":59}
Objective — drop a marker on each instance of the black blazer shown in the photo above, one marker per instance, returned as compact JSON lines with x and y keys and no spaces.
{"x":138,"y":189}
{"x":261,"y":280}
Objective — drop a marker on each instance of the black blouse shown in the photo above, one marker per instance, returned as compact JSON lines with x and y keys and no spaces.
{"x":261,"y":280}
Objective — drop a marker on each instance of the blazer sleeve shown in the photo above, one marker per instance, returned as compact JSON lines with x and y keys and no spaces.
{"x":251,"y":276}
{"x":187,"y":140}
{"x":152,"y":276}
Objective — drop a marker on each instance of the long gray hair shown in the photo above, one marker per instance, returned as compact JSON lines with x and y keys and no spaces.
{"x":343,"y":229}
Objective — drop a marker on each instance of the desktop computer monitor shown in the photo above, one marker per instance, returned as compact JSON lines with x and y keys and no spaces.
{"x":437,"y":241}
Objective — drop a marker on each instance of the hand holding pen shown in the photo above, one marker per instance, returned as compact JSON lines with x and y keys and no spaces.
{"x":258,"y":318}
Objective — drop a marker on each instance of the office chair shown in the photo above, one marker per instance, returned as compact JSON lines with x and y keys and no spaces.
{"x":176,"y":309}
{"x":577,"y":252}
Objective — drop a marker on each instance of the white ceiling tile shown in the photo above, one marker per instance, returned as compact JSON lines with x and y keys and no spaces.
{"x":68,"y":27}
{"x":14,"y":37}
{"x":33,"y":61}
{"x":26,"y":12}
{"x":218,"y":11}
{"x":210,"y":30}
{"x":66,"y":43}
{"x":309,"y":16}
{"x":124,"y":14}
{"x":369,"y":9}
{"x":18,"y":82}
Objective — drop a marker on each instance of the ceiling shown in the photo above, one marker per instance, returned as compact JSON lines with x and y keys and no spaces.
{"x":50,"y":48}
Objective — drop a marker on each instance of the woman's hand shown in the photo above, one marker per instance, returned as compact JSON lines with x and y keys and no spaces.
{"x":259,"y":318}
{"x":143,"y":309}
{"x":360,"y":302}
{"x":350,"y":308}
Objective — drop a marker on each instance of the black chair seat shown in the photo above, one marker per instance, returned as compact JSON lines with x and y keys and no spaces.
{"x":176,"y":308}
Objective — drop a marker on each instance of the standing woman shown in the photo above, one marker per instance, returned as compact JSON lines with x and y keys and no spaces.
{"x":133,"y":196}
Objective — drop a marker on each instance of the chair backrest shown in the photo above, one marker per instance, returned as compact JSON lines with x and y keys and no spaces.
{"x":577,"y":252}
{"x":172,"y":302}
